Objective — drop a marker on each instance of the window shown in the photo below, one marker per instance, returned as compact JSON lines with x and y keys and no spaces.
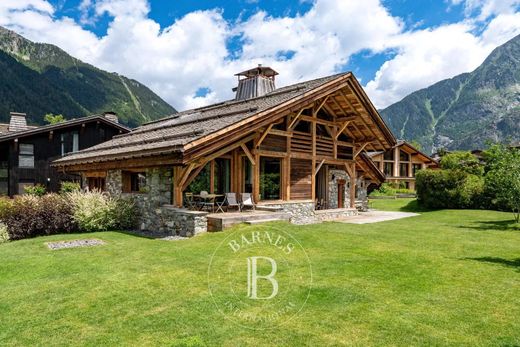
{"x":96,"y":183}
{"x":26,"y":156}
{"x":403,"y":170}
{"x":270,"y":174}
{"x":69,"y":142}
{"x":389,"y":155}
{"x":389,"y":169}
{"x":403,"y":156}
{"x":416,"y":168}
{"x":248,"y":175}
{"x":4,"y":178}
{"x":222,"y":178}
{"x":134,"y":182}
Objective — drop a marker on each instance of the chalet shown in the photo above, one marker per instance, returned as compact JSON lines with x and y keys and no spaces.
{"x":401,"y":163}
{"x":299,"y":149}
{"x":27,"y":151}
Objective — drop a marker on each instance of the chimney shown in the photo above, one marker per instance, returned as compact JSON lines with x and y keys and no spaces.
{"x":111,"y":116}
{"x":17,"y":122}
{"x":255,"y":82}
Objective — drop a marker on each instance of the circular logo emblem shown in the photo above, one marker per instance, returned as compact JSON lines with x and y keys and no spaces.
{"x":260,"y":279}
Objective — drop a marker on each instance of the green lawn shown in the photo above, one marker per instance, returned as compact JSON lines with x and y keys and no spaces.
{"x":442,"y":278}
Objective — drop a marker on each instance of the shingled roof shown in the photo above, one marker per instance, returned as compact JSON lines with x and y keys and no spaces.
{"x":171,"y":134}
{"x":31,"y":130}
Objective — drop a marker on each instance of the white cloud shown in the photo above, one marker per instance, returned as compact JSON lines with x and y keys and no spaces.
{"x":192,"y":52}
{"x":488,"y":8}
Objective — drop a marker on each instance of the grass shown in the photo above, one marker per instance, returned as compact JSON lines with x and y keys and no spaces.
{"x":443,"y":278}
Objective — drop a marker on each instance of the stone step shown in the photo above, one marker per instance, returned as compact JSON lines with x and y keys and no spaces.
{"x":219,"y":222}
{"x":255,"y":222}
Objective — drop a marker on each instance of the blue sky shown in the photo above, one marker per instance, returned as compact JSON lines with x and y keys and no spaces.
{"x":187,"y":51}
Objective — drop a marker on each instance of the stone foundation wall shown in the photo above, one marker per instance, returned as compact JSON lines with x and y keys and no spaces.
{"x":179,"y":221}
{"x":303,"y":212}
{"x":332,"y":215}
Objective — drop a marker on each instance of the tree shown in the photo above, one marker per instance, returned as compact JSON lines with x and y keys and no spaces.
{"x":462,"y":161}
{"x":54,"y":118}
{"x":503,"y":179}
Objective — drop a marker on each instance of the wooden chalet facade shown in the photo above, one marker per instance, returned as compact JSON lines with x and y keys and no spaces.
{"x":302,"y":143}
{"x":26,"y":152}
{"x":401,"y":163}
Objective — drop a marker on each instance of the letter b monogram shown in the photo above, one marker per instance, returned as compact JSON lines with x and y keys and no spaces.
{"x":253,"y":277}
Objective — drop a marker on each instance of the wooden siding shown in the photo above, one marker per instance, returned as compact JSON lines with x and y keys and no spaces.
{"x":301,"y":179}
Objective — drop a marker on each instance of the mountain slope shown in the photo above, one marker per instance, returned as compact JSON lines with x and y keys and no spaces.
{"x":40,"y":78}
{"x":466,"y":111}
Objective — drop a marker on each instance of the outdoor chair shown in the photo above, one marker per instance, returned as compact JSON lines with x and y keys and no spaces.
{"x":205,"y":203}
{"x":247,"y":201}
{"x":190,"y":202}
{"x":232,"y":201}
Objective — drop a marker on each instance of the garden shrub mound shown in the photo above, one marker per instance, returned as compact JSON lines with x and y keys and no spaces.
{"x":33,"y":215}
{"x":464,"y":181}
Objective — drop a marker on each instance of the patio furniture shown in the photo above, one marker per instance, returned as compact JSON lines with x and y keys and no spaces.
{"x":206,"y":201}
{"x":247,"y":201}
{"x":232,"y":201}
{"x":190,"y":202}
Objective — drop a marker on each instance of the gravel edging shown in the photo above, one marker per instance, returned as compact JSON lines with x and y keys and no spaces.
{"x":74,"y":244}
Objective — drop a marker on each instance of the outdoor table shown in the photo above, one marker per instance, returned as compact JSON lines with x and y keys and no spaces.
{"x":211,"y":198}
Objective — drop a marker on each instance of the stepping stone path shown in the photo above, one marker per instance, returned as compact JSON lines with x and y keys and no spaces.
{"x":74,"y":244}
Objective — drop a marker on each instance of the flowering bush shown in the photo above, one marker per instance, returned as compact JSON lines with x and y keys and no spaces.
{"x":69,"y":187}
{"x":96,"y":211}
{"x":37,"y":190}
{"x":4,"y":235}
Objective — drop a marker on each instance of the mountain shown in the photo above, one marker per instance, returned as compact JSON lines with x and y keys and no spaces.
{"x":466,"y":111}
{"x":40,"y":78}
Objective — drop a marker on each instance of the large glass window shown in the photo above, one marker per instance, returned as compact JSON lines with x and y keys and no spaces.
{"x":201,"y":182}
{"x":26,"y":156}
{"x":403,"y":170}
{"x":416,"y":168}
{"x":222,"y":182}
{"x":69,"y":142}
{"x":403,"y":156}
{"x":248,"y":175}
{"x":389,"y":155}
{"x":389,"y":169}
{"x":270,"y":174}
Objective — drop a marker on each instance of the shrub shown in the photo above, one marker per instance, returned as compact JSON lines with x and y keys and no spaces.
{"x":462,"y":161}
{"x":36,"y":190}
{"x":69,"y":187}
{"x":449,"y":189}
{"x":5,"y":206}
{"x":4,"y":235}
{"x":96,"y":211}
{"x":30,"y":216}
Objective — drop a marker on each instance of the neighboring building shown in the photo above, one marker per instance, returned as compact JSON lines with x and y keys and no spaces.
{"x":293,"y":148}
{"x":401,"y":163}
{"x":27,"y":151}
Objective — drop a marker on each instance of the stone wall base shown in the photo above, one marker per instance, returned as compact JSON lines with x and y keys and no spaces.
{"x":183,"y":222}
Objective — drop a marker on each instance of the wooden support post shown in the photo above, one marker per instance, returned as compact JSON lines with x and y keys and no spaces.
{"x":342,"y":129}
{"x":256,"y":177}
{"x":212,"y":176}
{"x":295,"y":120}
{"x":353,"y":186}
{"x":193,"y":175}
{"x":313,"y":173}
{"x":287,"y":182}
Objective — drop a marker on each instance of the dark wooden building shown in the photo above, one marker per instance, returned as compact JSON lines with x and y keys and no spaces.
{"x":27,"y":151}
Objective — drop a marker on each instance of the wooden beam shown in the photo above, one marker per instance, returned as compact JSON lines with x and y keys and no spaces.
{"x":212,"y":177}
{"x":192,"y":176}
{"x":319,"y":167}
{"x":358,"y":151}
{"x":353,"y":186}
{"x":184,"y":174}
{"x":226,"y":149}
{"x":318,"y":120}
{"x":248,"y":153}
{"x":262,"y":138}
{"x":321,"y":104}
{"x":342,"y":128}
{"x":296,"y":119}
{"x":280,"y":132}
